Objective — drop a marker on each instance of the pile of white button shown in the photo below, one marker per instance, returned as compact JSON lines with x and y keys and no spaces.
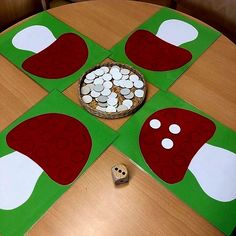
{"x":113,"y":89}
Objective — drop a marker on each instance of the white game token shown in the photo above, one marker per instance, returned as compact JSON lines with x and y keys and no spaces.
{"x":128,"y":103}
{"x":124,"y":91}
{"x":138,"y":84}
{"x":105,"y":69}
{"x":101,"y":108}
{"x":115,"y":67}
{"x":134,"y":78}
{"x":102,"y":99}
{"x":121,"y":83}
{"x":106,"y":92}
{"x":110,"y":109}
{"x":85,"y":90}
{"x":129,"y":96}
{"x":116,"y":82}
{"x":128,"y":84}
{"x":124,"y":71}
{"x":95,"y":94}
{"x":107,"y":84}
{"x":114,"y":70}
{"x":87,"y":99}
{"x":98,"y":81}
{"x":102,"y":104}
{"x":139,"y":93}
{"x":99,"y":72}
{"x":125,"y":77}
{"x":90,"y":76}
{"x":98,"y":87}
{"x":87,"y":81}
{"x":91,"y":86}
{"x":117,"y":76}
{"x":122,"y":108}
{"x":107,"y":77}
{"x":112,"y":101}
{"x":113,"y":95}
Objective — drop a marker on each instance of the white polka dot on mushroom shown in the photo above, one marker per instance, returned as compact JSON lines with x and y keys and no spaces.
{"x":155,"y":124}
{"x":174,"y":129}
{"x":167,"y":143}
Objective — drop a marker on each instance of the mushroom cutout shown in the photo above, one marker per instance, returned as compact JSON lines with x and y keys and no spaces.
{"x":55,"y":143}
{"x":160,"y":52}
{"x":54,"y":58}
{"x":173,"y":140}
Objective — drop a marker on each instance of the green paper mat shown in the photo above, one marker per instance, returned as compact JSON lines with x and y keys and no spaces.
{"x":46,"y":191}
{"x":220,"y":214}
{"x":165,"y":79}
{"x":96,"y":53}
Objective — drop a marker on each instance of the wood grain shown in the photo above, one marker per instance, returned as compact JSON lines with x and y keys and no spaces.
{"x":93,"y":206}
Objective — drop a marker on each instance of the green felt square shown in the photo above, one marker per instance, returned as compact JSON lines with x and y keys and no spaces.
{"x":96,"y":53}
{"x":164,"y":79}
{"x":46,"y":192}
{"x":220,"y":214}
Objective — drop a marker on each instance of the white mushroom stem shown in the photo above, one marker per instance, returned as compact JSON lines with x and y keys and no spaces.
{"x":215,"y":170}
{"x":18,"y":177}
{"x":33,"y":38}
{"x":176,"y":32}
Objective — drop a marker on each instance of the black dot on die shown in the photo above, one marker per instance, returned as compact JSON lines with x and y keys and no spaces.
{"x":120,"y":171}
{"x":116,"y":168}
{"x":123,"y":173}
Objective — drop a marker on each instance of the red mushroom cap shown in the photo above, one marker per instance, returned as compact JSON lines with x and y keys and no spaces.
{"x":171,"y":163}
{"x":152,"y":53}
{"x":62,"y":58}
{"x":58,"y":143}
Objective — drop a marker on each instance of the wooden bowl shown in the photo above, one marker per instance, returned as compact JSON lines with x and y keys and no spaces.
{"x":91,"y":107}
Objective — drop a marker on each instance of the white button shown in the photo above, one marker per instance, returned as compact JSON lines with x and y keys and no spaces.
{"x":107,"y":77}
{"x":174,"y":129}
{"x":87,"y":99}
{"x":113,"y":95}
{"x":155,"y":124}
{"x":98,"y":81}
{"x":95,"y":94}
{"x":128,"y":84}
{"x":106,"y":92}
{"x":128,"y":103}
{"x":134,"y":78}
{"x":110,"y":109}
{"x":112,"y":101}
{"x":117,"y":76}
{"x":107,"y":84}
{"x":105,"y":69}
{"x":167,"y":143}
{"x":90,"y":76}
{"x":99,"y":72}
{"x":139,"y":93}
{"x":138,"y":84}
{"x":124,"y":71}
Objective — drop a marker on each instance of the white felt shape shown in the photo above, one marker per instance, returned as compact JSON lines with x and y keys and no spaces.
{"x":33,"y":38}
{"x":18,"y":177}
{"x":176,"y":32}
{"x":215,"y":170}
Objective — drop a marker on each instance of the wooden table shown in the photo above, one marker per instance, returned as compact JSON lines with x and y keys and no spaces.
{"x":93,"y":206}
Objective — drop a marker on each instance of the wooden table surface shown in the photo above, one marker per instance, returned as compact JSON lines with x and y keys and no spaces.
{"x":93,"y":206}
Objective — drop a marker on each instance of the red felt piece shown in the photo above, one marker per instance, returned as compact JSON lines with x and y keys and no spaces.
{"x":58,"y":143}
{"x":152,"y":53}
{"x":171,"y":164}
{"x":62,"y":58}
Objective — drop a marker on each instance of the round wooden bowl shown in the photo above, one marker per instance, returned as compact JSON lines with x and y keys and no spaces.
{"x":91,"y":107}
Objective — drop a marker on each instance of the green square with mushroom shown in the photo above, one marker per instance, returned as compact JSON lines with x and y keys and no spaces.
{"x":47,"y":32}
{"x":163,"y":78}
{"x":219,"y":150}
{"x":59,"y":120}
